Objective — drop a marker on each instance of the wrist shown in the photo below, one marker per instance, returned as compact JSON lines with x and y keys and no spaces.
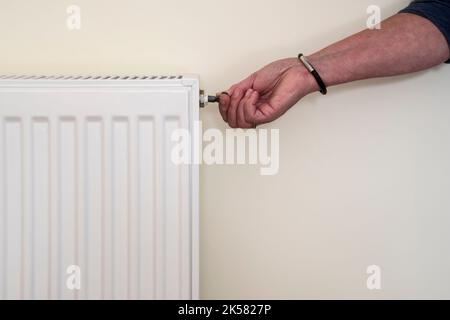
{"x":331,"y":67}
{"x":308,"y":82}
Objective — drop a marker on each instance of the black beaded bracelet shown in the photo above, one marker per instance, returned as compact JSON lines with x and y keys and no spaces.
{"x":313,"y":71}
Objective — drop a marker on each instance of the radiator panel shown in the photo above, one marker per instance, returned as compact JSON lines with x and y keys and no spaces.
{"x":86,"y":179}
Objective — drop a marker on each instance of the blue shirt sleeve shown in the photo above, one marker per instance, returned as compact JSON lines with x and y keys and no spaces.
{"x":437,"y":11}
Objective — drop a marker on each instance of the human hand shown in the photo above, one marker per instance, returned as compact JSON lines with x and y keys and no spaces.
{"x":266,"y":94}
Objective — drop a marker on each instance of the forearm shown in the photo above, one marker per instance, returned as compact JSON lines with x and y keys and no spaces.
{"x":405,"y":43}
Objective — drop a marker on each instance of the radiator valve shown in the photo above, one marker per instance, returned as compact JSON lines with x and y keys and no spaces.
{"x":205,"y":99}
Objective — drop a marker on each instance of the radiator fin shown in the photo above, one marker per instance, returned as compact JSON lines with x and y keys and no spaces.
{"x":99,"y":197}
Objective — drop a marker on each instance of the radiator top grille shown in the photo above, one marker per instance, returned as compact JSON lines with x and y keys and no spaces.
{"x":73,"y":77}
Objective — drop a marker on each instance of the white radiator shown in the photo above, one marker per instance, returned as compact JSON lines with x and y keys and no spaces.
{"x":88,"y":192}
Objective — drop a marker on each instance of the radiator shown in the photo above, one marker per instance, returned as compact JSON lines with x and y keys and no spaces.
{"x":92,"y":207}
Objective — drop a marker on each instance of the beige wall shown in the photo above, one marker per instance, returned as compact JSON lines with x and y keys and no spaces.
{"x":364,"y":176}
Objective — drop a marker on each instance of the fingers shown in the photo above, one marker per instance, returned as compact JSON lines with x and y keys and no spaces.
{"x":235,"y":114}
{"x":229,"y":101}
{"x":236,"y":97}
{"x":240,"y":114}
{"x":224,"y":102}
{"x":240,"y":110}
{"x":243,"y":111}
